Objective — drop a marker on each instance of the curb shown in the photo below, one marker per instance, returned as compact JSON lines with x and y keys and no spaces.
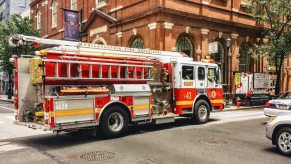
{"x":241,"y":108}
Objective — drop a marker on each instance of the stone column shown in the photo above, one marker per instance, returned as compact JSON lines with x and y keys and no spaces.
{"x":204,"y":43}
{"x":168,"y":46}
{"x":152,"y":35}
{"x":233,"y":61}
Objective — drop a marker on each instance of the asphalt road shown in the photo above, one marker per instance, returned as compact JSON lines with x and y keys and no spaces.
{"x":230,"y":137}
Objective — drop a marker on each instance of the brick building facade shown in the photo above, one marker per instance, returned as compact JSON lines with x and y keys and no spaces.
{"x":171,"y":25}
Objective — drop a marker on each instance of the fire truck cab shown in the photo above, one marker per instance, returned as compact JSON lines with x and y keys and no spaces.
{"x":81,"y":85}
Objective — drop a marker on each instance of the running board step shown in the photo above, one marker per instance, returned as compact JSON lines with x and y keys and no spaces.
{"x":162,"y":119}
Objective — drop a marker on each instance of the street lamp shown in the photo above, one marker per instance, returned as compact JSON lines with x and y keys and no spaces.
{"x":228,"y":43}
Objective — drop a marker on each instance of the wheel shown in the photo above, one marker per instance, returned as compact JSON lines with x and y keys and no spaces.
{"x":114,"y":122}
{"x":283,"y":141}
{"x":201,"y":112}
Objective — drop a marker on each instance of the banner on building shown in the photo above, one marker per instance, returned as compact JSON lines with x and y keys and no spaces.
{"x":71,"y":28}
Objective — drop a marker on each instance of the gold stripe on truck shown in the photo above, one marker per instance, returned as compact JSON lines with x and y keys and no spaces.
{"x":72,"y":112}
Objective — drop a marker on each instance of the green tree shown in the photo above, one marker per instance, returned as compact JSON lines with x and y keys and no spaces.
{"x":275,"y":17}
{"x":15,"y":25}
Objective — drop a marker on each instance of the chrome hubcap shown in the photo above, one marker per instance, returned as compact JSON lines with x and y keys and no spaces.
{"x":202,"y":112}
{"x":115,"y":122}
{"x":285,"y":141}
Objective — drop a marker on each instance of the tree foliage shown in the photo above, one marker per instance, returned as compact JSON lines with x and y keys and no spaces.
{"x":15,"y":25}
{"x":275,"y":18}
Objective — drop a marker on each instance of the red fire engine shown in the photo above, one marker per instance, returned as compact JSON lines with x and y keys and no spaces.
{"x":82,"y":85}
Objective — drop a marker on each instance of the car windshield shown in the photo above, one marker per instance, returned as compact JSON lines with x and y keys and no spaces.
{"x":286,"y":95}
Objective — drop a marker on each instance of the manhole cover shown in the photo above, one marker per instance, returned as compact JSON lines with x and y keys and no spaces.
{"x":98,"y":156}
{"x":213,"y":142}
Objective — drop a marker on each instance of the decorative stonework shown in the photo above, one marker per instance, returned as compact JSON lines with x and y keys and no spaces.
{"x":204,"y":31}
{"x":234,"y":10}
{"x":187,"y":29}
{"x":220,"y":34}
{"x":152,"y":25}
{"x":168,"y":25}
{"x":234,"y":36}
{"x":247,"y":38}
{"x":265,"y":40}
{"x":205,"y":2}
{"x":134,"y":31}
{"x":119,"y":35}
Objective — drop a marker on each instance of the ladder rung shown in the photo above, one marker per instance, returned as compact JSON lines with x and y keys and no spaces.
{"x":56,"y":69}
{"x":126,"y":72}
{"x":90,"y":71}
{"x":100,"y":71}
{"x":142,"y":73}
{"x":80,"y":71}
{"x":118,"y":72}
{"x":134,"y":72}
{"x":109,"y":71}
{"x":68,"y":70}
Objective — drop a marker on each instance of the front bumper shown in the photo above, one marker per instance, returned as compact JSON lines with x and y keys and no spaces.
{"x":269,"y":130}
{"x":275,"y":112}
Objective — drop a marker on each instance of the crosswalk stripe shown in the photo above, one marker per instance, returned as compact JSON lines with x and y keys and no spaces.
{"x":10,"y":117}
{"x":10,"y":147}
{"x":6,"y":108}
{"x":4,"y":143}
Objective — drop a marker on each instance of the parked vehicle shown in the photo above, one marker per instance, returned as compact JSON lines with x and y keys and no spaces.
{"x":83,"y":85}
{"x":278,"y":129}
{"x":280,"y":106}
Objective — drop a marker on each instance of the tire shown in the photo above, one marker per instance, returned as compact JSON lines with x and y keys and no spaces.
{"x":283,"y":141}
{"x":114,"y":122}
{"x":201,"y":112}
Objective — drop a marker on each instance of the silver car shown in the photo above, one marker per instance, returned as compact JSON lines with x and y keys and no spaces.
{"x":280,"y":106}
{"x":278,"y":129}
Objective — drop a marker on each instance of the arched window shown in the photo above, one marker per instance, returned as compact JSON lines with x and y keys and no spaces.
{"x":184,"y":44}
{"x":137,"y":42}
{"x":220,"y":58}
{"x":38,"y":20}
{"x":54,"y":14}
{"x":245,"y":60}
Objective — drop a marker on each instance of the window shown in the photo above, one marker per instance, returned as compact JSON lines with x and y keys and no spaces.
{"x":73,"y":4}
{"x":245,"y":62}
{"x":212,"y":75}
{"x":38,"y":20}
{"x":220,"y":58}
{"x":22,"y":3}
{"x":54,"y":14}
{"x":184,"y":44}
{"x":201,"y":73}
{"x":187,"y":72}
{"x":137,"y":42}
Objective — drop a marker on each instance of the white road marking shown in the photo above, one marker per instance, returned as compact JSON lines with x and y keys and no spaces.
{"x":6,"y":108}
{"x":10,"y":117}
{"x":10,"y":147}
{"x":4,"y":143}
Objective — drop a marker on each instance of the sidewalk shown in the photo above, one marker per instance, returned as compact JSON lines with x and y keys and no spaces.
{"x":234,"y":107}
{"x":4,"y":98}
